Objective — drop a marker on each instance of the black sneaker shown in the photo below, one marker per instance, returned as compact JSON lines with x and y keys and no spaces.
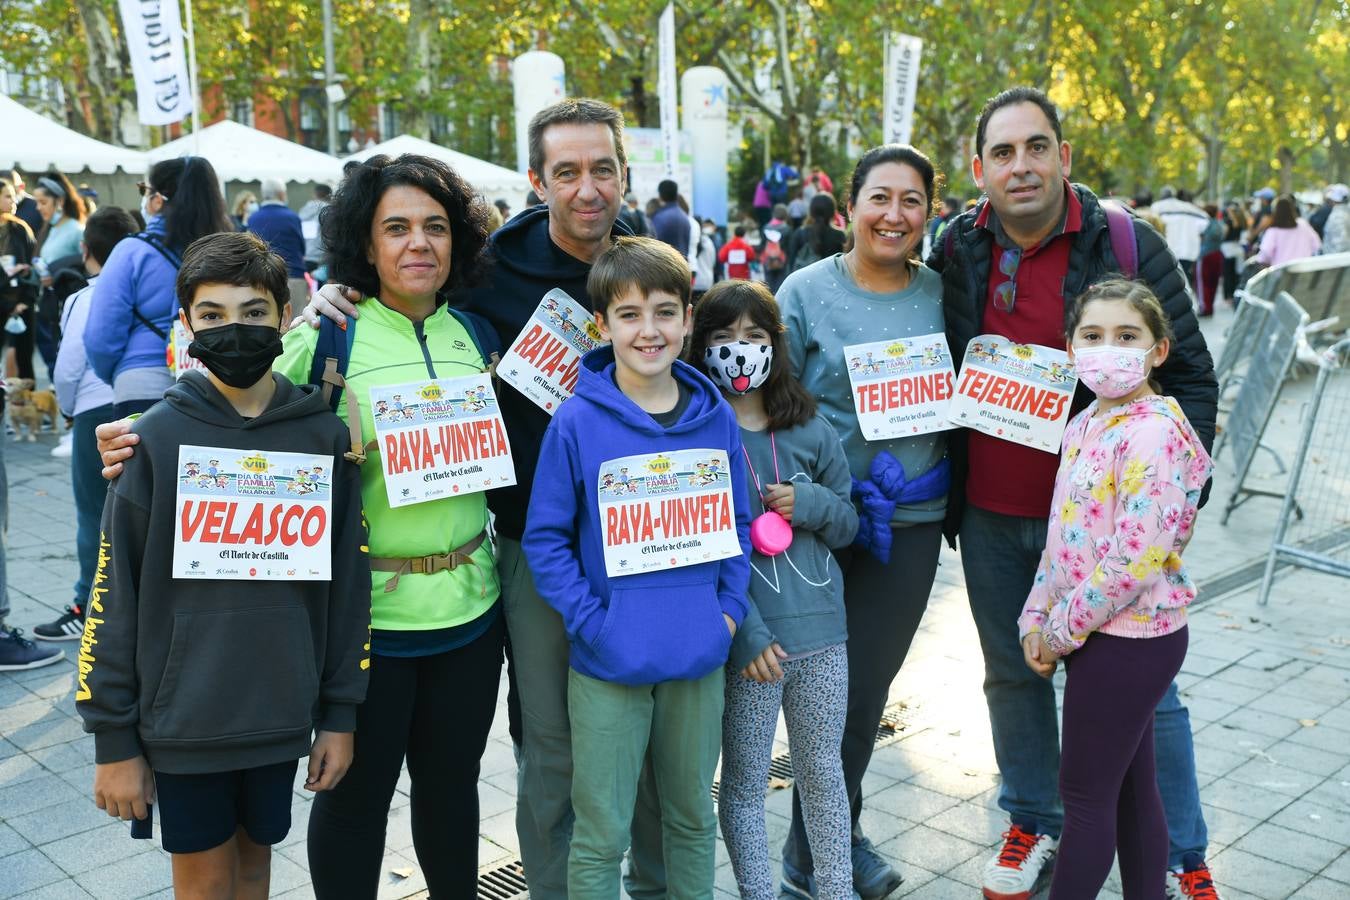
{"x":17,"y":652}
{"x":67,"y":628}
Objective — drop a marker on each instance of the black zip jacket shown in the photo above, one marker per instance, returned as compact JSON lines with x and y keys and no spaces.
{"x":1188,"y":374}
{"x":526,"y":265}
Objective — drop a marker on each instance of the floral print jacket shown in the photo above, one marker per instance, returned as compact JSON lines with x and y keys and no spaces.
{"x":1124,"y":507}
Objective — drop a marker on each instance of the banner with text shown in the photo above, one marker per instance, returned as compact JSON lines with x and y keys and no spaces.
{"x":439,"y":438}
{"x":1018,"y":392}
{"x":902,"y":387}
{"x":666,"y":510}
{"x":902,"y":84}
{"x":154,"y":34}
{"x":255,"y":514}
{"x":544,"y":362}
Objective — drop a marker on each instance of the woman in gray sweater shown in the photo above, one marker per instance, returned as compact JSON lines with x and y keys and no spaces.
{"x":877,"y":291}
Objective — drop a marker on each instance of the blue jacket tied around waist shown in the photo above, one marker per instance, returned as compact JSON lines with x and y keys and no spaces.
{"x":888,"y":486}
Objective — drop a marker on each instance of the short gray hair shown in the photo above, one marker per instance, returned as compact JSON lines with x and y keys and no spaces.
{"x":272,"y":189}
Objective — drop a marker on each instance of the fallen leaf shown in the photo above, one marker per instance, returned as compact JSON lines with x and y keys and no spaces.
{"x":1307,"y":723}
{"x":777,"y":784}
{"x":1224,"y":614}
{"x":403,"y":873}
{"x":1233,"y":626}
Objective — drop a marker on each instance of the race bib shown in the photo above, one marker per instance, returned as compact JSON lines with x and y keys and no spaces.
{"x":901,"y":388}
{"x":666,"y":510}
{"x":253,"y":515}
{"x":439,"y":438}
{"x":544,"y":361}
{"x":179,"y":361}
{"x":1018,"y":392}
{"x":736,"y":257}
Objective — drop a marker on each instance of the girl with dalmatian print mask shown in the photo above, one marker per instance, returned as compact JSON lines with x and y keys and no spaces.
{"x":790,"y":651}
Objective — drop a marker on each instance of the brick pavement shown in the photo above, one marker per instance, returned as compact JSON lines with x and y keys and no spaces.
{"x":1268,"y":690}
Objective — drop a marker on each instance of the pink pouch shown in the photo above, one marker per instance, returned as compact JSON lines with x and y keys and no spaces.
{"x":770,"y":534}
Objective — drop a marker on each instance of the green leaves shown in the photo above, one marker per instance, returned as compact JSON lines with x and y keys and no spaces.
{"x":1200,"y":93}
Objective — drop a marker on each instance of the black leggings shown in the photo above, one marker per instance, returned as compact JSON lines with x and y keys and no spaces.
{"x":885,"y":603}
{"x":437,"y":710}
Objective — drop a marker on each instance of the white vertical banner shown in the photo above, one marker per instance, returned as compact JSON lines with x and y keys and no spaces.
{"x":667,"y":87}
{"x":154,"y":33}
{"x":902,"y":83}
{"x":704,"y":92}
{"x":537,"y":80}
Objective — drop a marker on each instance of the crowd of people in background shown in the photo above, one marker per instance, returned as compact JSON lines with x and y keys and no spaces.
{"x":616,"y":736}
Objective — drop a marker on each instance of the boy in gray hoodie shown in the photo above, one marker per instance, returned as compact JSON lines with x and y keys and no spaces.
{"x":203,"y":692}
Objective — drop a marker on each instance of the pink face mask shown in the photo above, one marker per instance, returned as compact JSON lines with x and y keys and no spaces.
{"x":1111,"y":372}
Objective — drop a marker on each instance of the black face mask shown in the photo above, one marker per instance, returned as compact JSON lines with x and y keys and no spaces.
{"x":238,"y":355}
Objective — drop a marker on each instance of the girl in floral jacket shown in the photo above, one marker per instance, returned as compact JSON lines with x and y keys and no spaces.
{"x":1111,"y":592}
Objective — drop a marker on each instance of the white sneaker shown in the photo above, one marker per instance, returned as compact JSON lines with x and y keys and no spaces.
{"x":65,"y":446}
{"x":1014,"y":873}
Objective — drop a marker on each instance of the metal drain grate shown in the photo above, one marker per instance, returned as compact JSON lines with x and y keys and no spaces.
{"x":897,"y":718}
{"x":503,"y":882}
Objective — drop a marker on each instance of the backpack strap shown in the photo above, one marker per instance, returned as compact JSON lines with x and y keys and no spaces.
{"x":1124,"y":242}
{"x":328,"y":370}
{"x":172,"y":259}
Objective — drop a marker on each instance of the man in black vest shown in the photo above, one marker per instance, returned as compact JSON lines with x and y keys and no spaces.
{"x":1008,"y":267}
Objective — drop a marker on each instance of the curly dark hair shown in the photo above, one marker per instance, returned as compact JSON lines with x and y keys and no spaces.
{"x":345,"y":223}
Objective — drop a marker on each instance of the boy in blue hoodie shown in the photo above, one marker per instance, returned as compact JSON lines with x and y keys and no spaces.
{"x":651,"y":582}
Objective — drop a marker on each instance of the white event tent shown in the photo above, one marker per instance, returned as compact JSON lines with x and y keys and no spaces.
{"x":32,"y":142}
{"x":492,"y":181}
{"x":240,"y":153}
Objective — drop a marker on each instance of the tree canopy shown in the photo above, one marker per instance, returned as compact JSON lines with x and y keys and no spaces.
{"x":1219,"y":96}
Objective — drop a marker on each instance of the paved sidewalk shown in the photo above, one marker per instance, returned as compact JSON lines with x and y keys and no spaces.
{"x":1268,"y":691}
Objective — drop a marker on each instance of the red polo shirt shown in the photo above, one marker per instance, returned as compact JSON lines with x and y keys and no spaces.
{"x":1009,"y":478}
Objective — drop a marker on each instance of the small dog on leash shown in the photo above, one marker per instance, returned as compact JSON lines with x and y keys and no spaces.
{"x":30,"y":408}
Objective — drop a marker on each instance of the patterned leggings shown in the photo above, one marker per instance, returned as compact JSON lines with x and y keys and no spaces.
{"x":814,"y":698}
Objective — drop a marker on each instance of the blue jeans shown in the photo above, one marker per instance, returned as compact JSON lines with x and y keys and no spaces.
{"x":1175,"y":755}
{"x":1000,"y":555}
{"x":86,"y":477}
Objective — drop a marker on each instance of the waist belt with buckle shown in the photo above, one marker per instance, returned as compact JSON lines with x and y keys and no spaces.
{"x":427,"y":565}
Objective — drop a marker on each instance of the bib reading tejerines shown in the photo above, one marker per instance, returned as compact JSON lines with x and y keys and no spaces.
{"x":901,"y":388}
{"x":666,"y":510}
{"x":1018,"y":392}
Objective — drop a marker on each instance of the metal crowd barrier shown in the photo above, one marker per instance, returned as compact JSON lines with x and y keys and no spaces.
{"x":1322,"y":286}
{"x":1319,"y":539}
{"x":1272,"y":356}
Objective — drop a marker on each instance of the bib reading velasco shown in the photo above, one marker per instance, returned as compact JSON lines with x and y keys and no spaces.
{"x":666,"y":510}
{"x":440,"y":438}
{"x":253,"y":515}
{"x":901,"y":388}
{"x":1018,"y":392}
{"x":544,"y":361}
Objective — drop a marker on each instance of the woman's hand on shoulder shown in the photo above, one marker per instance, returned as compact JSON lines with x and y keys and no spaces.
{"x":333,"y":301}
{"x":115,"y":443}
